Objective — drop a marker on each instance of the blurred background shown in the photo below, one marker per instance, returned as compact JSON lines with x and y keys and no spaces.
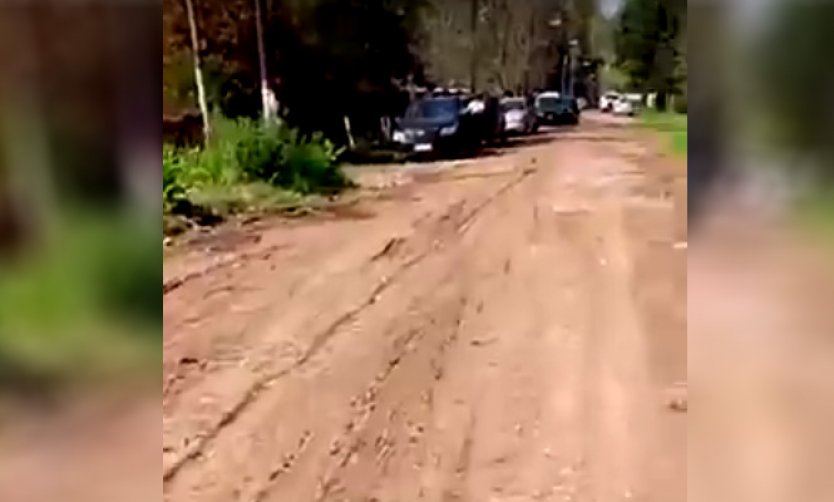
{"x":80,"y":262}
{"x":80,"y":213}
{"x":760,"y":260}
{"x":79,"y":185}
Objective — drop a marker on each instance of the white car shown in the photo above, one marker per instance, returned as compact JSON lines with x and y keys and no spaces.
{"x":623,"y":106}
{"x":606,"y":101}
{"x":519,"y":118}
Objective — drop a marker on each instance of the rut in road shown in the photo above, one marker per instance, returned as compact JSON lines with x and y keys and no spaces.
{"x":459,"y":225}
{"x":502,"y":329}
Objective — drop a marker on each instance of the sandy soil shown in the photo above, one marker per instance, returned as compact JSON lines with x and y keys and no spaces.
{"x":507,"y":328}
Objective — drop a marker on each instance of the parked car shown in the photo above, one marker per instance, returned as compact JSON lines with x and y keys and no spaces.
{"x":624,"y":106}
{"x":553,"y":108}
{"x":449,"y":124}
{"x":519,"y":116}
{"x":606,"y":101}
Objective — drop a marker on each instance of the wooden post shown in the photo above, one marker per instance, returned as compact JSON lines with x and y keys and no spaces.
{"x":348,"y":133}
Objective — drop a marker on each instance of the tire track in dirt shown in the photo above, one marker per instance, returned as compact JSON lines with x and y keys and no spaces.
{"x":505,"y":361}
{"x":196,"y":448}
{"x":347,"y":446}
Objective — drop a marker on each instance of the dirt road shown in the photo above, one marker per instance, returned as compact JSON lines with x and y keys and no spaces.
{"x":508,"y":328}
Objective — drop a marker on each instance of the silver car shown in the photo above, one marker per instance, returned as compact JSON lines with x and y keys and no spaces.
{"x":519,"y":117}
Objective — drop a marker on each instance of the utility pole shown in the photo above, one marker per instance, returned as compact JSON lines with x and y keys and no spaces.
{"x":198,"y":70}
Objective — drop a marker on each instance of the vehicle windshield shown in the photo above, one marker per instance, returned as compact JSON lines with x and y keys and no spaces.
{"x":554,"y":103}
{"x":445,"y":108}
{"x":513,"y":104}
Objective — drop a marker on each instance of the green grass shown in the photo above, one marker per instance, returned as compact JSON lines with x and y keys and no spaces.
{"x":815,"y":215}
{"x":673,"y":125}
{"x":247,"y":167}
{"x":81,"y":305}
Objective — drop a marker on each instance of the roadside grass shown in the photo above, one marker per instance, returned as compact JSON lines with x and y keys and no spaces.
{"x":248,"y":167}
{"x":670,"y":124}
{"x":81,"y":306}
{"x":815,"y":215}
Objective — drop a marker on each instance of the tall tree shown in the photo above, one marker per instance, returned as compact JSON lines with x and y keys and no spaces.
{"x":473,"y":34}
{"x":647,"y":45}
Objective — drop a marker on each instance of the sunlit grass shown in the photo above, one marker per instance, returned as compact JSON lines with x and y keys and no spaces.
{"x":673,"y":125}
{"x":81,"y":303}
{"x":815,"y":214}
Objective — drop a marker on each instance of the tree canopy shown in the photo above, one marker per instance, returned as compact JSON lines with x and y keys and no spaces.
{"x":330,"y":58}
{"x":650,"y":45}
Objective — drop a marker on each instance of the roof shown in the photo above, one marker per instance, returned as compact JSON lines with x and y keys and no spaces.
{"x":549,"y":94}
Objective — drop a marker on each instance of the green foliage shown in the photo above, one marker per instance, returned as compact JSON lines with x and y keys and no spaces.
{"x":648,"y":44}
{"x":672,"y":125}
{"x":795,"y":82}
{"x":244,"y":159}
{"x":614,"y":78}
{"x":85,"y":302}
{"x":679,"y":104}
{"x":173,"y":170}
{"x":815,"y":213}
{"x":309,"y":166}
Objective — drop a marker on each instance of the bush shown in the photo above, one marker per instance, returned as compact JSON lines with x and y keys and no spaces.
{"x":284,"y":157}
{"x":309,"y":165}
{"x":173,"y":185}
{"x":679,"y":104}
{"x":243,"y":152}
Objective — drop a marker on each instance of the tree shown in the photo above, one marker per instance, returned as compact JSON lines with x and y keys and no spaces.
{"x":508,"y":44}
{"x":647,"y":45}
{"x":794,"y":82}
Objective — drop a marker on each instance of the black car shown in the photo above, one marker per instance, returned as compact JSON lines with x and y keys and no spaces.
{"x":448,"y":124}
{"x":555,"y":109}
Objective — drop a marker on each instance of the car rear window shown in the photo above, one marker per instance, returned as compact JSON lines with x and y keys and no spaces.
{"x":513,"y":104}
{"x":555,"y":103}
{"x":434,"y":108}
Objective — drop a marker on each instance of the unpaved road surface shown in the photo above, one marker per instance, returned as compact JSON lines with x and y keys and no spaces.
{"x":507,"y":328}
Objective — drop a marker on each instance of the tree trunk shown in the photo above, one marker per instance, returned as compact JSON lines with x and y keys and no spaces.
{"x":198,"y":71}
{"x":473,"y":68}
{"x":660,"y":102}
{"x":266,"y":108}
{"x":508,"y":23}
{"x":531,"y":50}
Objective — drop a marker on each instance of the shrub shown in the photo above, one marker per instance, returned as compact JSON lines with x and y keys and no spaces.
{"x":309,"y":165}
{"x":680,"y":105}
{"x":173,"y":186}
{"x":284,"y":157}
{"x":258,"y":151}
{"x":244,"y":152}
